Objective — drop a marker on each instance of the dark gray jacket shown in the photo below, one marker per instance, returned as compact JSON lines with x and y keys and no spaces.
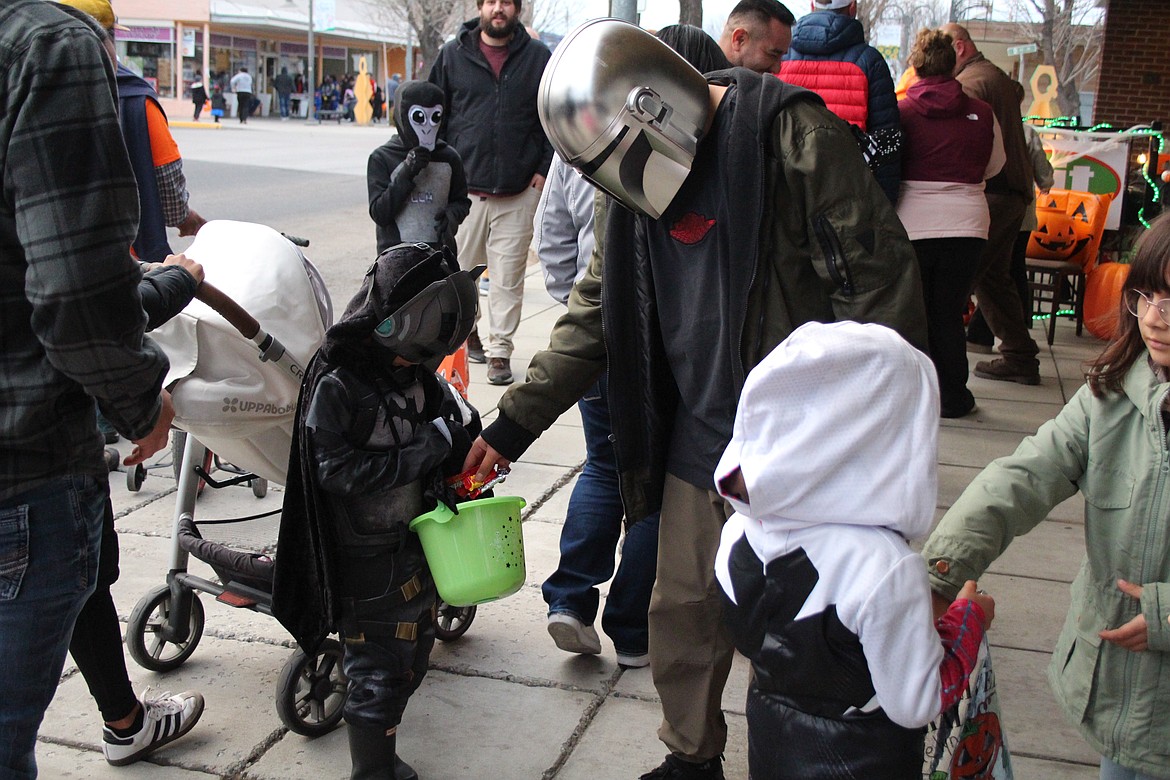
{"x":493,"y":124}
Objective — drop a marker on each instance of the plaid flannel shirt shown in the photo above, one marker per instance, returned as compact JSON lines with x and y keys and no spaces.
{"x":71,"y":319}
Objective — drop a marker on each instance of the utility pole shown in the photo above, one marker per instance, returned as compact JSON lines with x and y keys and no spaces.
{"x":626,"y":10}
{"x":311,"y":82}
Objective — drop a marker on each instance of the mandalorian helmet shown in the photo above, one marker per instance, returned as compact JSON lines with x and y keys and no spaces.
{"x":626,"y":110}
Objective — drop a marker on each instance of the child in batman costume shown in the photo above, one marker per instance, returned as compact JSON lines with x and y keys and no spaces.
{"x":376,"y":432}
{"x":417,"y":188}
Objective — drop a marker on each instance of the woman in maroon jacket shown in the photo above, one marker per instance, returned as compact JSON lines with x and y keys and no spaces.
{"x":951,"y":144}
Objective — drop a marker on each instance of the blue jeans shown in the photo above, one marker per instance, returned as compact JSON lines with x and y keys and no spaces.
{"x":1112,"y":771}
{"x":284,"y":101}
{"x":589,"y":538}
{"x":49,"y":542}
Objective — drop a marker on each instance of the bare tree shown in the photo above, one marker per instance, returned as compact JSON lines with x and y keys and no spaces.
{"x":872,"y":12}
{"x":557,"y":16}
{"x":1068,"y":35}
{"x":911,"y":16}
{"x":431,"y":21}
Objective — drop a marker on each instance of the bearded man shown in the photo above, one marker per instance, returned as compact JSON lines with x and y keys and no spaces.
{"x":489,"y":75}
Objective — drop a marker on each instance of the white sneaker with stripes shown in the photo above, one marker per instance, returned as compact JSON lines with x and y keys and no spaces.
{"x":164,"y":719}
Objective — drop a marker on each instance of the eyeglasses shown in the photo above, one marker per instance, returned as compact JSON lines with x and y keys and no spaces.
{"x":1138,"y":304}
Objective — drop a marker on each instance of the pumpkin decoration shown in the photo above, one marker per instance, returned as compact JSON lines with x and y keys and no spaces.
{"x":1103,"y":298}
{"x":1055,"y":238}
{"x":978,"y":748}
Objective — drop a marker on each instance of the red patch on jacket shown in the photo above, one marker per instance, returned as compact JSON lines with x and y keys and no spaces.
{"x":691,"y":228}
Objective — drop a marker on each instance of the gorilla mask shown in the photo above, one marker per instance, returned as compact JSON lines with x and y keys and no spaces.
{"x":418,"y":114}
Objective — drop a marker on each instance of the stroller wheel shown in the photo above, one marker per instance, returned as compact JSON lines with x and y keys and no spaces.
{"x":452,"y":622}
{"x":311,"y":691}
{"x":135,"y":476}
{"x":259,"y":487}
{"x":147,"y":630}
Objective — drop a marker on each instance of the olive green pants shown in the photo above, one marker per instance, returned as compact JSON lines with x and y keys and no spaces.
{"x":690,"y":648}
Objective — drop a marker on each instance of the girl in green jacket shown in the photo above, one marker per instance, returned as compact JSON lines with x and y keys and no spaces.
{"x":1110,"y":669}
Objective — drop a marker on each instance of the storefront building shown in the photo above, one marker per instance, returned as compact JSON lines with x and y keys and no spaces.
{"x":170,"y":43}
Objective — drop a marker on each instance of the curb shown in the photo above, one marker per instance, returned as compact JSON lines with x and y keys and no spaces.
{"x":197,"y":125}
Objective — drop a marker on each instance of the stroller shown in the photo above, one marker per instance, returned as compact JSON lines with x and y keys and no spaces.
{"x":241,"y":403}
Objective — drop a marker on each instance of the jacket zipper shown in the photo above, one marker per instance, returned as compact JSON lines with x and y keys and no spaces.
{"x":834,"y":254}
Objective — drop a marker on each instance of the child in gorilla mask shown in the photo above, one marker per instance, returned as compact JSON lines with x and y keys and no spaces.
{"x":417,"y":189}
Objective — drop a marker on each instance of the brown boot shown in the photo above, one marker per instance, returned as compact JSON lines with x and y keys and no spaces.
{"x":1005,"y":371}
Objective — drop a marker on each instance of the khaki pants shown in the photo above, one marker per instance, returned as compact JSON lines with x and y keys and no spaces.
{"x":999,"y":298}
{"x":690,"y":647}
{"x":497,"y":233}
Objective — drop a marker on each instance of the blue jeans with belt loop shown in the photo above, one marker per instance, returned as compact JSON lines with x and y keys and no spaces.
{"x":593,"y":525}
{"x":49,"y":543}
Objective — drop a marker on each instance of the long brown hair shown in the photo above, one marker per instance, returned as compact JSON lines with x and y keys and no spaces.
{"x":1150,"y":273}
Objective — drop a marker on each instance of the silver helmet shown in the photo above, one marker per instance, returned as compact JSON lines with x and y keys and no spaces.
{"x":626,"y":110}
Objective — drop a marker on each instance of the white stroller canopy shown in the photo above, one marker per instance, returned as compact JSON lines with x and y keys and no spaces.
{"x":239,"y":406}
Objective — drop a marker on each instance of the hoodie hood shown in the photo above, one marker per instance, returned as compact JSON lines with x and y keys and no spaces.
{"x":937,"y":97}
{"x":838,"y":424}
{"x":823,"y":33}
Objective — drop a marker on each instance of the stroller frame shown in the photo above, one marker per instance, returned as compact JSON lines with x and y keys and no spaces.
{"x":167,"y":623}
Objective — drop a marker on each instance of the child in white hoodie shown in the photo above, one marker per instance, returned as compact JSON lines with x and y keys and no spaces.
{"x":831,"y":469}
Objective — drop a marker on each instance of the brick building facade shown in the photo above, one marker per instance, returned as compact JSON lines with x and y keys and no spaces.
{"x":1134,"y":85}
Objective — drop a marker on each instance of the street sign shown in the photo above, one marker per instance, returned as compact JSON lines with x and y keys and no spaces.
{"x":1027,"y":48}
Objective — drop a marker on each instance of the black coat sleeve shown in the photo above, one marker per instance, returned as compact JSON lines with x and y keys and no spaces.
{"x":166,"y":291}
{"x":389,"y":186}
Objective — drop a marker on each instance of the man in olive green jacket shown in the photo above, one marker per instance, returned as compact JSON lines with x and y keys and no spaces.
{"x":1114,"y":450}
{"x":779,"y":223}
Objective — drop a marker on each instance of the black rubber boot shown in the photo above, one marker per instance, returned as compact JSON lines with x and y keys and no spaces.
{"x":403,"y":770}
{"x":372,"y":755}
{"x":371,"y":752}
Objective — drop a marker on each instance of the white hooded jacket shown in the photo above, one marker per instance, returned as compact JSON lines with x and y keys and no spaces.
{"x":836,"y":436}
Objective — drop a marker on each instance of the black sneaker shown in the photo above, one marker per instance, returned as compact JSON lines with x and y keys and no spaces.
{"x":676,"y":769}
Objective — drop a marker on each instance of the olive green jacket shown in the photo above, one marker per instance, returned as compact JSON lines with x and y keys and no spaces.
{"x":1113,"y":450}
{"x":814,"y":238}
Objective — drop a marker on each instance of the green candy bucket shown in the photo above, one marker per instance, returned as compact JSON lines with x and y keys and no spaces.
{"x":476,"y":555}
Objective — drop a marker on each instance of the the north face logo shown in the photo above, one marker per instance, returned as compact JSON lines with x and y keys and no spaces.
{"x":691,"y":228}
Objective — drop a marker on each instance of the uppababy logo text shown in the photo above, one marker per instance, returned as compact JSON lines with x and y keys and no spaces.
{"x":236,"y":406}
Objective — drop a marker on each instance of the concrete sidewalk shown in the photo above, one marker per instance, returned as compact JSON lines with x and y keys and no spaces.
{"x":502,"y":701}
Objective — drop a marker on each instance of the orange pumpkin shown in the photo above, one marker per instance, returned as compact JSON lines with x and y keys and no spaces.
{"x":1056,"y":236}
{"x":1103,"y":298}
{"x":978,"y":748}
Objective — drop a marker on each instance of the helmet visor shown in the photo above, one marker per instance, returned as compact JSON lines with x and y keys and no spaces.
{"x":436,"y":321}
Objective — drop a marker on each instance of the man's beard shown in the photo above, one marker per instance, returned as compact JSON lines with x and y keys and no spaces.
{"x":498,"y":32}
